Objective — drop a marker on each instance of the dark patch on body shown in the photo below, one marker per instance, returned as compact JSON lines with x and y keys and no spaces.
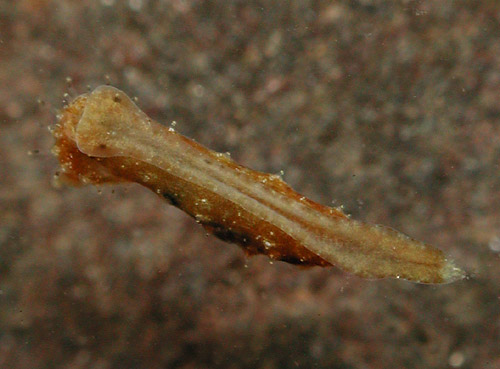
{"x":171,"y":198}
{"x":228,"y":235}
{"x":255,"y":247}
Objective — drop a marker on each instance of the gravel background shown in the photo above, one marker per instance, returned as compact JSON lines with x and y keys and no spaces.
{"x":390,"y":108}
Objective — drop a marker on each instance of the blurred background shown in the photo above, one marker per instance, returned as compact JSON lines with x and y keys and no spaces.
{"x":390,"y":109}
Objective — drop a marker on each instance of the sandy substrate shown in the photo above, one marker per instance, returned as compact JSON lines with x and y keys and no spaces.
{"x":393,"y":111}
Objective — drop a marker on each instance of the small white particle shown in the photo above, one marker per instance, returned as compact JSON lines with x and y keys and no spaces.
{"x":494,"y":244}
{"x":135,"y":4}
{"x":456,"y":359}
{"x":199,"y":90}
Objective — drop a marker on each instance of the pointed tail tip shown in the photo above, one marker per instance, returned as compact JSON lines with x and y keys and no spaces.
{"x":450,"y":272}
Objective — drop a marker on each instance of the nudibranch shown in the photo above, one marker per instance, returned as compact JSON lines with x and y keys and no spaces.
{"x":103,"y":137}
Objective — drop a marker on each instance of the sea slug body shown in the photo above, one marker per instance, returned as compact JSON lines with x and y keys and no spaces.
{"x":103,"y":137}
